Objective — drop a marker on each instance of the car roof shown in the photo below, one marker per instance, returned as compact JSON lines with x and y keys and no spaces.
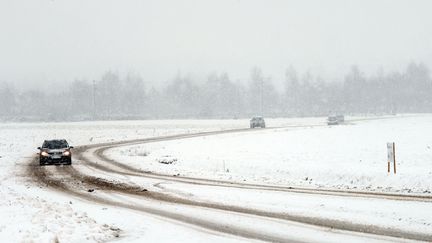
{"x":55,"y":140}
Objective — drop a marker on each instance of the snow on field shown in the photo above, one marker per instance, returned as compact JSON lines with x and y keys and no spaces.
{"x":347,"y":156}
{"x":44,"y":218}
{"x":350,"y":156}
{"x":30,"y":213}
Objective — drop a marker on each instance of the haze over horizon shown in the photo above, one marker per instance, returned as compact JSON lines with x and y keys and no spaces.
{"x":55,"y":42}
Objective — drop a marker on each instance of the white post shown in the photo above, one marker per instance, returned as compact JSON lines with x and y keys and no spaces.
{"x":394,"y":158}
{"x":391,"y":157}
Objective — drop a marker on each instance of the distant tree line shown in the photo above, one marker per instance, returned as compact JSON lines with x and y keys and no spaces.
{"x":116,"y":97}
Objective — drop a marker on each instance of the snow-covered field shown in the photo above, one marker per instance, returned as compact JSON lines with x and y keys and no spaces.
{"x":351,"y":156}
{"x":302,"y":152}
{"x":29,"y":213}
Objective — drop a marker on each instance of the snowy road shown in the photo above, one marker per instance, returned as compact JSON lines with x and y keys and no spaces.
{"x":234,"y":210}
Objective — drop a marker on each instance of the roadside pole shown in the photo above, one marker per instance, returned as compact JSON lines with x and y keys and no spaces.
{"x":391,"y":157}
{"x":394,"y":158}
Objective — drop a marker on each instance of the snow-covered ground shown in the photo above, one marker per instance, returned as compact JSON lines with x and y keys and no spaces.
{"x":302,"y":152}
{"x":351,"y":156}
{"x":29,"y":213}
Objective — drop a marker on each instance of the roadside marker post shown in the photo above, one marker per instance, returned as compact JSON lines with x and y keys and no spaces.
{"x":394,"y":158}
{"x":391,"y":157}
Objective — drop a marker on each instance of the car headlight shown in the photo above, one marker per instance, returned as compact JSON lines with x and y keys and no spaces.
{"x":44,"y":153}
{"x":66,"y":153}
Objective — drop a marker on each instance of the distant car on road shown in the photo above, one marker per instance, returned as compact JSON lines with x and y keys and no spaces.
{"x":55,"y":151}
{"x":257,"y":121}
{"x":332,"y":120}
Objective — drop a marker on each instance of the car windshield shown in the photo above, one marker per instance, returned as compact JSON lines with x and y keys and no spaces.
{"x":55,"y":144}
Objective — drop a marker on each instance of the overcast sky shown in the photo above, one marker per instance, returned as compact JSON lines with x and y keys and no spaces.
{"x":57,"y":41}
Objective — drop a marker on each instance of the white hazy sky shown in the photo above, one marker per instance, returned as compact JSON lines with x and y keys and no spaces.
{"x":57,"y":41}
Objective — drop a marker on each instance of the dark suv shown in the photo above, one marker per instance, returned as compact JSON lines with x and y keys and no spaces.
{"x":257,"y":121}
{"x":55,"y":151}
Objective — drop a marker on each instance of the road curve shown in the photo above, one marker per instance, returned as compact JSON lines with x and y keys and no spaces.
{"x":76,"y":182}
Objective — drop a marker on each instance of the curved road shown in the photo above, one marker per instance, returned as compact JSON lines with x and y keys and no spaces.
{"x":112,"y":180}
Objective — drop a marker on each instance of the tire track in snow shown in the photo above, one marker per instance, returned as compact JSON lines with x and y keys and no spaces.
{"x":46,"y":178}
{"x":120,"y":168}
{"x":78,"y":184}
